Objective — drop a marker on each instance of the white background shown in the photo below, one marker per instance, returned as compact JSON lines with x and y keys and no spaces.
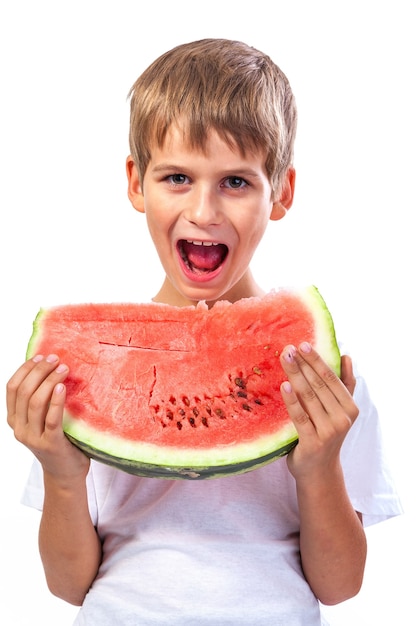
{"x":68,"y":232}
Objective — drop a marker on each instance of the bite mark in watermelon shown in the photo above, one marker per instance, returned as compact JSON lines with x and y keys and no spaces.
{"x":182,"y":392}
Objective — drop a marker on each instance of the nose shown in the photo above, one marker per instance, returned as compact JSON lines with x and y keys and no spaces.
{"x":203,"y":207}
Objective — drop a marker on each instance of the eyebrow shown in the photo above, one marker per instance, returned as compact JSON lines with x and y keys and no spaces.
{"x":246,"y":172}
{"x":165,"y":166}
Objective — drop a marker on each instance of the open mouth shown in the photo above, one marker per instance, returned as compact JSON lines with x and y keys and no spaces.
{"x":202,"y":257}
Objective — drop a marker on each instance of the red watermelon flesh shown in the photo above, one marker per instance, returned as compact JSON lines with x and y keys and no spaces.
{"x":182,"y":392}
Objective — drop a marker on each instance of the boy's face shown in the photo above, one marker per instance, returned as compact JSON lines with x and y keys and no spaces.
{"x":206,"y":212}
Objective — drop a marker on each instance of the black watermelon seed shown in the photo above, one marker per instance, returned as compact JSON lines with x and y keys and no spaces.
{"x":192,"y":421}
{"x":246,"y":407}
{"x":179,"y":425}
{"x":240,"y":383}
{"x":204,"y":421}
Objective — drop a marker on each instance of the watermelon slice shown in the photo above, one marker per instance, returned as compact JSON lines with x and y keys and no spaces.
{"x":182,"y":392}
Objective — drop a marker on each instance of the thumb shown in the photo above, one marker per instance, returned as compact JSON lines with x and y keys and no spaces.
{"x":347,"y":377}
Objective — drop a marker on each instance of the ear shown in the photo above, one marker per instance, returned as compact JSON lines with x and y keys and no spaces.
{"x":282,"y":203}
{"x":134,"y":188}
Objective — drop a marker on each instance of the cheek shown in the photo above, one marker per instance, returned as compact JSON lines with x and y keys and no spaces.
{"x":155,"y":227}
{"x":160,"y":225}
{"x":255,"y":229}
{"x":155,"y":215}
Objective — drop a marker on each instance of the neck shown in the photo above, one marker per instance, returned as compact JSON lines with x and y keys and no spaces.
{"x":246,"y":287}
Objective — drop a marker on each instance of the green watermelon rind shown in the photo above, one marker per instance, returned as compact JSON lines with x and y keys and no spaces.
{"x":183,"y":472}
{"x":326,"y":343}
{"x":169,"y":458}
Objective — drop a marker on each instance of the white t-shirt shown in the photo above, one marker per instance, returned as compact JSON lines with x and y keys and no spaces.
{"x":217,"y":552}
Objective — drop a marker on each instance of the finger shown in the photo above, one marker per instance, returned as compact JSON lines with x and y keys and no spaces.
{"x":321,"y":393}
{"x":340,"y":391}
{"x":35,"y":391}
{"x":15,"y":382}
{"x":347,"y":375}
{"x":323,"y":378}
{"x":299,"y":416}
{"x":311,"y":389}
{"x":53,"y":420}
{"x":45,"y":403}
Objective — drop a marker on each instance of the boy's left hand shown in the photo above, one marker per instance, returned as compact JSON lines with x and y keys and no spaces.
{"x":321,"y":407}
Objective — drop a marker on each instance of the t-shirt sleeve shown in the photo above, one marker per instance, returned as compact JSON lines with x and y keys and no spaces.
{"x":33,"y":492}
{"x":368,"y":477}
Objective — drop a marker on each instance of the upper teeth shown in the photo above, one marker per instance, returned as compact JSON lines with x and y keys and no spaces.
{"x":202,"y":243}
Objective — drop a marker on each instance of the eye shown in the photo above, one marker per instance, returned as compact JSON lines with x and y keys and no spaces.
{"x":177,"y":179}
{"x":235,"y":182}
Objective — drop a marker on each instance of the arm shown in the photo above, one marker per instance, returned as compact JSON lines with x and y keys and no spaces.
{"x":332,"y":539}
{"x":69,"y":545}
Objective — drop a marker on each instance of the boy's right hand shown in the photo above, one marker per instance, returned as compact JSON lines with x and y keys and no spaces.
{"x":35,"y":405}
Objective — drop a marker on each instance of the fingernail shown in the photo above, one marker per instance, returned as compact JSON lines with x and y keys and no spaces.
{"x":287,"y":386}
{"x":38,"y":358}
{"x":51,"y":358}
{"x":61,"y":368}
{"x":289,"y":354}
{"x":305,"y":347}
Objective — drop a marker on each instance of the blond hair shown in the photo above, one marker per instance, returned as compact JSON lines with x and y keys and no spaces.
{"x":221,"y":85}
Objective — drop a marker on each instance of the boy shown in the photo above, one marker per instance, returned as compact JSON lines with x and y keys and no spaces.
{"x":211,"y":140}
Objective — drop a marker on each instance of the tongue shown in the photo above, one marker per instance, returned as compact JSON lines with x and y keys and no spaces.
{"x":203,"y":257}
